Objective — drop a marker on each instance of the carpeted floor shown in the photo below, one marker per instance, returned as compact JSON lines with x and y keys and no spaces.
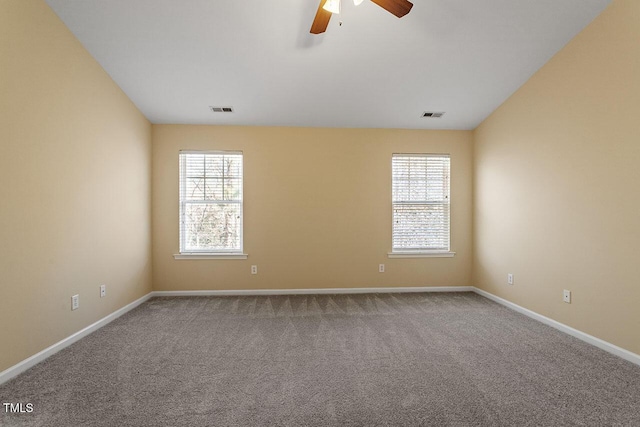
{"x":454,"y":359}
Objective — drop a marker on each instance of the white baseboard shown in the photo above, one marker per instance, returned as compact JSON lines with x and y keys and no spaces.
{"x":250,"y":292}
{"x":19,"y":368}
{"x":606,"y":346}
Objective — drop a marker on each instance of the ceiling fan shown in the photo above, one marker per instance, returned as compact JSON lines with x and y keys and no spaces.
{"x":328,"y":7}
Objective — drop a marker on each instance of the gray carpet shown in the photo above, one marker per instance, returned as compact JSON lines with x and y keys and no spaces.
{"x":340,"y":360}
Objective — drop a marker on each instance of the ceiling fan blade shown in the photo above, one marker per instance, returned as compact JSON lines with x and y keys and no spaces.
{"x":397,"y":7}
{"x":321,"y":20}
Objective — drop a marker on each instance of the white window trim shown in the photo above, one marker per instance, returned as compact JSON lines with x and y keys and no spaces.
{"x":425,"y":253}
{"x":422,"y":254}
{"x":214,"y":255}
{"x":239,"y":254}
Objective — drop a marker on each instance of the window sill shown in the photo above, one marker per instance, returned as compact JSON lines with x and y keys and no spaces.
{"x":425,"y":254}
{"x":210,"y":256}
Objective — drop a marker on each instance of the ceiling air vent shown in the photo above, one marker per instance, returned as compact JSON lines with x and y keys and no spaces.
{"x":221,"y":109}
{"x":432,"y":115}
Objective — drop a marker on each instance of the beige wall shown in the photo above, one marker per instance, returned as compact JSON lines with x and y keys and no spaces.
{"x":557,"y":169}
{"x":317,"y":208}
{"x":74,"y":185}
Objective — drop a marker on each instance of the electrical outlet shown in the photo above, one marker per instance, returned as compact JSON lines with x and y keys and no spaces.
{"x":75,"y":302}
{"x":510,"y":279}
{"x":254,"y":269}
{"x":103,"y":291}
{"x":566,"y":296}
{"x":381,"y":268}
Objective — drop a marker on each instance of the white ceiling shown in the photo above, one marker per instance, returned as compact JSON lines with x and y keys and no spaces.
{"x":175,"y":58}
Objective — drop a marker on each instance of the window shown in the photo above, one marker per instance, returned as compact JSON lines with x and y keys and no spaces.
{"x":210,"y":202}
{"x":420,"y":194}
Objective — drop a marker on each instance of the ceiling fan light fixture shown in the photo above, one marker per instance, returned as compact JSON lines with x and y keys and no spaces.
{"x":332,"y":6}
{"x":357,"y":2}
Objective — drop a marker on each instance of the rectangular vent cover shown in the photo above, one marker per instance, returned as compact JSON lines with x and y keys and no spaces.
{"x":433,"y":115}
{"x":221,"y":109}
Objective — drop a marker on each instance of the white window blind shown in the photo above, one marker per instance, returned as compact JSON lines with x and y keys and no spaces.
{"x":420,"y":194}
{"x":210,"y":202}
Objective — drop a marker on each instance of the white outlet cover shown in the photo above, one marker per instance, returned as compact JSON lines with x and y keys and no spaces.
{"x":510,"y":279}
{"x":381,"y":268}
{"x":566,"y":296}
{"x":254,"y":269}
{"x":75,"y":302}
